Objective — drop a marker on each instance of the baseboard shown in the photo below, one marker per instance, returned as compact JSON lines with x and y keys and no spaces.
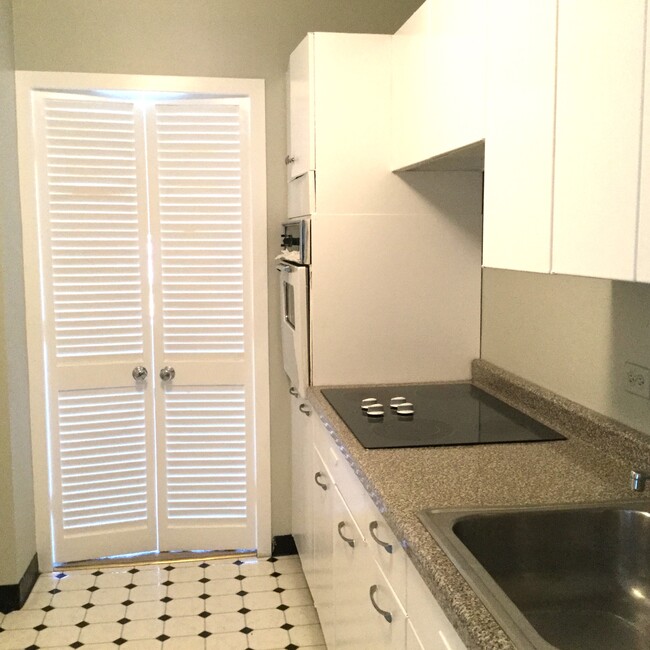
{"x":283,"y":545}
{"x":13,"y":597}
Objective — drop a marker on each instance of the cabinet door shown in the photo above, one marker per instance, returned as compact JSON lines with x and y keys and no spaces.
{"x":386,"y":629}
{"x":598,"y":135}
{"x":322,"y":586}
{"x":643,"y":238}
{"x":302,"y":481}
{"x":520,"y":122}
{"x":300,"y":148}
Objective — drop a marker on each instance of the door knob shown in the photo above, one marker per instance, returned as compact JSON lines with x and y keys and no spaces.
{"x":167,"y":373}
{"x":139,"y":373}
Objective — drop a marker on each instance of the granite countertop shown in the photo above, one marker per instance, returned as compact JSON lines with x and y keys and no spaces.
{"x":593,"y":464}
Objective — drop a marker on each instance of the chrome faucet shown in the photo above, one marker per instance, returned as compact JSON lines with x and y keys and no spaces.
{"x":638,"y":479}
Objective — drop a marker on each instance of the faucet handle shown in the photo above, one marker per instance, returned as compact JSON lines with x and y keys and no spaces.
{"x":638,"y":479}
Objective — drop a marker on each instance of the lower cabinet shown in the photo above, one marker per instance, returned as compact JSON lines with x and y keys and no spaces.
{"x":368,"y":594}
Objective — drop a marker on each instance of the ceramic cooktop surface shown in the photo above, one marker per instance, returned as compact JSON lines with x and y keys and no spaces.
{"x":432,"y":415}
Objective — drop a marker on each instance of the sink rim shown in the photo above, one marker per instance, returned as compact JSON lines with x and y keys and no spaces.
{"x":439,"y":522}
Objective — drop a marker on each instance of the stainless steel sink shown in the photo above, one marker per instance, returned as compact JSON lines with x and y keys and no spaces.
{"x":569,"y":577}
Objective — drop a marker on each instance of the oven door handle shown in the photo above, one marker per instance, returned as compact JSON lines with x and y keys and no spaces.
{"x":285,"y":267}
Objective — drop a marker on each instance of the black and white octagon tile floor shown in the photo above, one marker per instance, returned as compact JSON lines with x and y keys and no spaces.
{"x":251,"y":603}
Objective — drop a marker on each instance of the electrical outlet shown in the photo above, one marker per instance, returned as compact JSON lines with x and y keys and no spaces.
{"x":637,"y":380}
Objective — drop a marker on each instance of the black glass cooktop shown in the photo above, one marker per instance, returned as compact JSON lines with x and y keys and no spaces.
{"x":443,"y":414}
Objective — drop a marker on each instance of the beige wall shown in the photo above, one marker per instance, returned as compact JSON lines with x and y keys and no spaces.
{"x":17,"y":542}
{"x":571,"y":335}
{"x":229,"y":38}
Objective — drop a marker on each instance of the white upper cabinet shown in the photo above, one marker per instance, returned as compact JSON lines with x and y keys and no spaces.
{"x":519,"y":138}
{"x":300,"y":150}
{"x":567,"y":164}
{"x":598,"y":137}
{"x":438,"y":99}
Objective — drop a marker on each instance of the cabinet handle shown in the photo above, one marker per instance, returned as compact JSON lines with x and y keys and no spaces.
{"x":349,"y":541}
{"x":387,"y":615}
{"x":385,"y":545}
{"x":303,"y":408}
{"x":320,"y":485}
{"x":289,"y":160}
{"x":293,"y":391}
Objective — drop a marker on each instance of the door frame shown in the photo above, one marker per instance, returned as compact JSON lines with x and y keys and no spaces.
{"x":26,"y":83}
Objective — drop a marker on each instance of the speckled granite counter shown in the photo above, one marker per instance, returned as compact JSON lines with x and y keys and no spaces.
{"x":593,"y":464}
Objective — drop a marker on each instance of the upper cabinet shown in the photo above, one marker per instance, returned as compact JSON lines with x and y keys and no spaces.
{"x":438,"y":99}
{"x":519,"y":135}
{"x":565,"y":153}
{"x":338,"y":156}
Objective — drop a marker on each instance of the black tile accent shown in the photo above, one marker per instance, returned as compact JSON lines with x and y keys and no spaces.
{"x":286,"y":626}
{"x":133,"y":571}
{"x":283,"y":545}
{"x":282,"y":608}
{"x":166,"y":599}
{"x":205,"y":614}
{"x":83,"y":624}
{"x":238,"y":562}
{"x":291,"y":646}
{"x":169,"y":567}
{"x":203,"y":596}
{"x":54,"y":591}
{"x":204,"y":580}
{"x":76,"y":644}
{"x":124,"y":621}
{"x":168,"y":583}
{"x":60,"y":575}
{"x":164,"y":617}
{"x":243,"y":610}
{"x":97,"y":573}
{"x":162,"y":637}
{"x":130,"y":585}
{"x":272,"y":559}
{"x":41,"y":627}
{"x":242,"y":593}
{"x":246,"y":630}
{"x":204,"y":565}
{"x":205,"y":634}
{"x":278,"y":590}
{"x":33,"y":647}
{"x":275,"y":574}
{"x":240,"y":577}
{"x":119,"y":641}
{"x":86,"y":606}
{"x":92,"y":589}
{"x":126,"y":603}
{"x":47,"y":608}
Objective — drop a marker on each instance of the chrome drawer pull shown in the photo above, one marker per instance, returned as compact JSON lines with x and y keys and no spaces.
{"x":349,"y":541}
{"x":303,"y":408}
{"x":385,"y":545}
{"x":387,"y":615}
{"x":320,"y":485}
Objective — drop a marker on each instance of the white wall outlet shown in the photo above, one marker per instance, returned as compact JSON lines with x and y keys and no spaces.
{"x":637,"y":380}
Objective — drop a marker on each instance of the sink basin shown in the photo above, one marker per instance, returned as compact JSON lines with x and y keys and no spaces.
{"x":568,"y":577}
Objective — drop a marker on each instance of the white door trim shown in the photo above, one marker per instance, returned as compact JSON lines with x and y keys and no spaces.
{"x":26,"y":82}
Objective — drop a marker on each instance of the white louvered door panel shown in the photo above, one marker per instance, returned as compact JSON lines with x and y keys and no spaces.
{"x":93,"y":231}
{"x":198,"y":152}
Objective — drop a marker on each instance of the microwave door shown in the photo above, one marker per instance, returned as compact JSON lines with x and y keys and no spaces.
{"x":294,"y":312}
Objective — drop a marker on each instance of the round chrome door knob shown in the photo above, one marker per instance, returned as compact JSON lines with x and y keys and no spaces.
{"x":167,"y":373}
{"x":139,"y":373}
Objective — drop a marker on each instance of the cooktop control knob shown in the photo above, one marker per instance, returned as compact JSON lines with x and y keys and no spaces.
{"x":375,"y":410}
{"x":368,"y":402}
{"x":405,"y":408}
{"x":396,"y":401}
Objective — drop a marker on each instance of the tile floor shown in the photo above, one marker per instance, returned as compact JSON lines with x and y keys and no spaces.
{"x":256,"y":604}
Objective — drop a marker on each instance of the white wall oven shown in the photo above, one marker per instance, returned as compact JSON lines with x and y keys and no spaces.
{"x":293,"y":265}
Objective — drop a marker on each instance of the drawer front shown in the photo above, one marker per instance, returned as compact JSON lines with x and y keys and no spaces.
{"x":302,"y":196}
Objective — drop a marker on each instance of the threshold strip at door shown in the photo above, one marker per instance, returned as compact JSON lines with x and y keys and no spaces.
{"x":163,"y":557}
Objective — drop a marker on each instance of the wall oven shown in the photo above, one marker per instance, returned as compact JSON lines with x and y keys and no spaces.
{"x":293,"y":265}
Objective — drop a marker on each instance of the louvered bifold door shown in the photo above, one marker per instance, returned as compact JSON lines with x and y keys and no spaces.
{"x":93,"y":227}
{"x":200,"y":215}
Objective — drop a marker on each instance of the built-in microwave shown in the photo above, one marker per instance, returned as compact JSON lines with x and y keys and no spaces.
{"x":293,"y":265}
